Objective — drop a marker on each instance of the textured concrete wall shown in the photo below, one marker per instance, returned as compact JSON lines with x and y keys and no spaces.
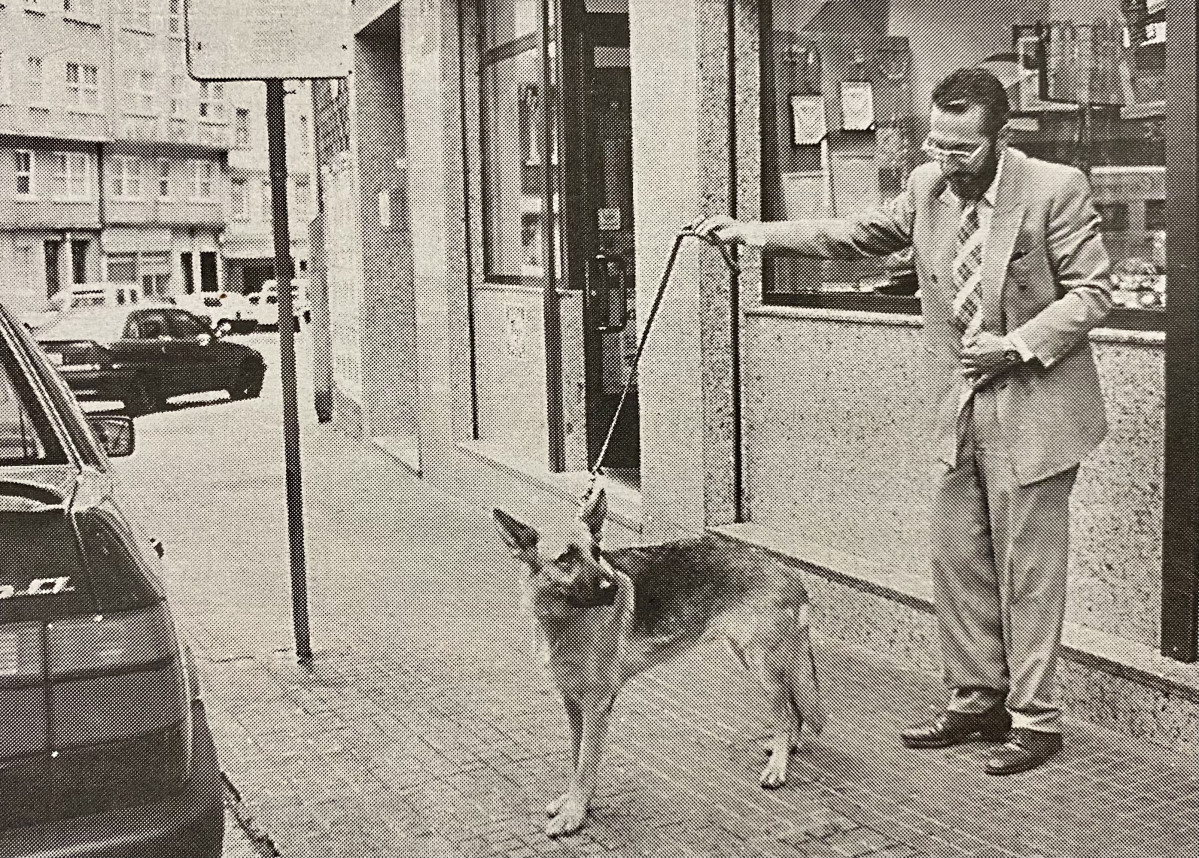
{"x":835,"y":455}
{"x":388,"y":311}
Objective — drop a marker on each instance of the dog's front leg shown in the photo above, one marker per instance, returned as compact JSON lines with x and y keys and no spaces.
{"x":571,"y":809}
{"x":574,"y":718}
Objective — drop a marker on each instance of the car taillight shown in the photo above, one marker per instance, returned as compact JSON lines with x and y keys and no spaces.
{"x":113,"y":676}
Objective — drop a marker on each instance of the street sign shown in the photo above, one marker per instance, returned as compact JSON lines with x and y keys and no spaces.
{"x":267,"y":39}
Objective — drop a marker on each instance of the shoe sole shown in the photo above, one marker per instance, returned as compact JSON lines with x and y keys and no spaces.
{"x":984,"y":735}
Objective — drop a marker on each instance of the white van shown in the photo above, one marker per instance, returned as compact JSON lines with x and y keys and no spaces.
{"x":83,"y":295}
{"x":266,"y":303}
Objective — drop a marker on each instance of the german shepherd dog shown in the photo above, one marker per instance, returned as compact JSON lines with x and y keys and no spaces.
{"x":601,"y":617}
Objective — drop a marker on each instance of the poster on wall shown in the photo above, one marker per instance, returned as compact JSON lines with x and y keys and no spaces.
{"x":857,"y":105}
{"x":809,"y":124}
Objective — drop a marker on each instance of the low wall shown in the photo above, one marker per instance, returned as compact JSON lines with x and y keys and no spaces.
{"x":835,"y":456}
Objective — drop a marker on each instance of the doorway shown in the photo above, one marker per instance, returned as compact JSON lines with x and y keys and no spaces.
{"x":597,"y":135}
{"x":53,"y":272}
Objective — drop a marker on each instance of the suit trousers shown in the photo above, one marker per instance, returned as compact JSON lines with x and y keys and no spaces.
{"x":1000,"y":554}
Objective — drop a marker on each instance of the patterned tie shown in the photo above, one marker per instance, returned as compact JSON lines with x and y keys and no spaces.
{"x":967,"y":300}
{"x":967,"y":273}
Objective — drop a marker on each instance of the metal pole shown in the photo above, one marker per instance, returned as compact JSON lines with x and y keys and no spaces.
{"x":277,"y":145}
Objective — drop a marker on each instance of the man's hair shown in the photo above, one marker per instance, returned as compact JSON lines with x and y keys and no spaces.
{"x":965,"y":88}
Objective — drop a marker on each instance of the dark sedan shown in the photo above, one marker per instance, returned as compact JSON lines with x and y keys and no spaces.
{"x":144,"y":354}
{"x":105,"y":749}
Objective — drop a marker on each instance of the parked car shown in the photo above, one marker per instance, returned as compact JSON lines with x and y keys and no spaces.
{"x":230,"y":312}
{"x":105,"y":748}
{"x":82,"y":295}
{"x":266,"y":303}
{"x":143,"y":355}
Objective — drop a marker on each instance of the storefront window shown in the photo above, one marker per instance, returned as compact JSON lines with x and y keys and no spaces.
{"x":513,"y":163}
{"x":846,"y":93}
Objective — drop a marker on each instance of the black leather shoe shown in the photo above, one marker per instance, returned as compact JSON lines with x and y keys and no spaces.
{"x":1024,"y":750}
{"x":954,"y":728}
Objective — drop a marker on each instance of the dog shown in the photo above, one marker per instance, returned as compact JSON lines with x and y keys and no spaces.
{"x":602,"y":617}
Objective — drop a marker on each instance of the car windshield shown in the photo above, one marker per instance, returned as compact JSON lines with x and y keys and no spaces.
{"x":99,"y":325}
{"x":26,"y":436}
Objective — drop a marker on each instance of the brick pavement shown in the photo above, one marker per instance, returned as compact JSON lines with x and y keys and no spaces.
{"x":424,"y":728}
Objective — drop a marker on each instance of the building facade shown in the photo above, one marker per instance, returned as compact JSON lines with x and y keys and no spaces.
{"x":247,"y":245}
{"x":506,"y":206}
{"x":115,"y":165}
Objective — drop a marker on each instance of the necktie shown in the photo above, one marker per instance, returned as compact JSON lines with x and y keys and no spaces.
{"x":967,"y":273}
{"x":967,"y":300}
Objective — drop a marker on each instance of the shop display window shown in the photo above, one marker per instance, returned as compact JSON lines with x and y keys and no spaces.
{"x":846,"y":86}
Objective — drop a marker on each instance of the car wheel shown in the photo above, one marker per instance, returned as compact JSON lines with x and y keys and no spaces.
{"x":248,"y":384}
{"x":140,"y":398}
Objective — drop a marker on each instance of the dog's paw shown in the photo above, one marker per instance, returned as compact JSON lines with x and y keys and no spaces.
{"x":774,"y":775}
{"x":555,"y":806}
{"x":569,"y":818}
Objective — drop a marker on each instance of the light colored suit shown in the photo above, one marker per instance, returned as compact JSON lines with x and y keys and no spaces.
{"x":1000,"y":521}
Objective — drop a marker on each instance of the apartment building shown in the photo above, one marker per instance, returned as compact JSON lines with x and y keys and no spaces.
{"x":113,"y":162}
{"x":247,"y":246}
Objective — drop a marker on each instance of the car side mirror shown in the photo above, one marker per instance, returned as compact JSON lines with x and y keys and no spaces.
{"x":115,"y":433}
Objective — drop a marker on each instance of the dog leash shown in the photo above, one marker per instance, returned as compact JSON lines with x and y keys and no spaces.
{"x":729,"y":261}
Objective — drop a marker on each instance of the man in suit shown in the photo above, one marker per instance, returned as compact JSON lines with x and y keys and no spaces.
{"x":1013,"y":275}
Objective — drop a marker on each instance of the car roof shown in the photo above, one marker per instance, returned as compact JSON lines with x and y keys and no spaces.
{"x":102,"y":324}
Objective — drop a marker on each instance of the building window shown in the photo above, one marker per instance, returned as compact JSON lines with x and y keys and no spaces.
{"x":138,"y":15}
{"x":303,"y":198}
{"x":127,"y":177}
{"x":23,"y":161}
{"x":202,"y":184}
{"x":69,"y":175}
{"x":304,"y":142}
{"x":267,"y":199}
{"x":175,"y":17}
{"x":139,"y":91}
{"x":79,"y":8}
{"x":37,"y":82}
{"x":242,"y":139}
{"x":212,"y":102}
{"x":845,"y":108}
{"x":83,"y":86}
{"x":122,"y":267}
{"x":237,"y":196}
{"x":177,"y":100}
{"x":164,"y":179}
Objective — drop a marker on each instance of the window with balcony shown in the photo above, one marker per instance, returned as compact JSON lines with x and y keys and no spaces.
{"x":139,"y":92}
{"x":23,"y":162}
{"x":203,"y":180}
{"x":242,"y":138}
{"x":237,"y":198}
{"x":85,"y":9}
{"x":138,"y":15}
{"x":69,"y":175}
{"x":126,"y":177}
{"x":37,"y":82}
{"x":164,"y":179}
{"x":83,"y":86}
{"x":212,"y":102}
{"x":175,"y":18}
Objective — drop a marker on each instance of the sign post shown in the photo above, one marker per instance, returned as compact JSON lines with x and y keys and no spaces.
{"x":272,"y":41}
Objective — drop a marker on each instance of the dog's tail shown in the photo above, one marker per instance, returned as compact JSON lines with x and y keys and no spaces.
{"x":805,"y":688}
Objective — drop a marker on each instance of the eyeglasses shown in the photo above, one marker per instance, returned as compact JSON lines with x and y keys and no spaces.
{"x":944,"y":154}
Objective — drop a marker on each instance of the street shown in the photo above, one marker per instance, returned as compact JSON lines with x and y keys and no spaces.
{"x":425,"y":729}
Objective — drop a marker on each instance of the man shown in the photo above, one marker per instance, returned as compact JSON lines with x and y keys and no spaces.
{"x":1013,"y":275}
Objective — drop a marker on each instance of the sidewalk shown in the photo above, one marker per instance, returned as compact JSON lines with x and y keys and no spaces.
{"x":425,"y":729}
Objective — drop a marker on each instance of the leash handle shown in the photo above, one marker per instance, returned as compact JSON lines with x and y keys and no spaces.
{"x":730,"y":261}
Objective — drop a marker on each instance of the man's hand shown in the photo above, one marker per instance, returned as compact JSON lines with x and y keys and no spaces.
{"x":984,"y":356}
{"x":721,"y":229}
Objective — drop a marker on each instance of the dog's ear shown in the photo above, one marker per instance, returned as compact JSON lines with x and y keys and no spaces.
{"x":593,"y":512}
{"x":517,"y":536}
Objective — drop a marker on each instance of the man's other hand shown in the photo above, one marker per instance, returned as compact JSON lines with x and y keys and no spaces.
{"x":722,"y":229}
{"x":984,"y":356}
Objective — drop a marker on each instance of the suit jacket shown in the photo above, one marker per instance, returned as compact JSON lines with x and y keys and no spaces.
{"x":1045,"y":277}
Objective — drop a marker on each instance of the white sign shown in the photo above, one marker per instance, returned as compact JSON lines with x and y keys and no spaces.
{"x":265,"y":39}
